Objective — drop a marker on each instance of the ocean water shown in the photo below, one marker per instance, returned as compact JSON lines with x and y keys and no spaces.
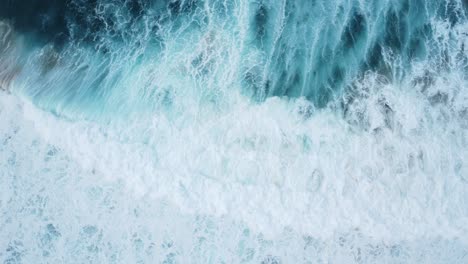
{"x":234,"y":131}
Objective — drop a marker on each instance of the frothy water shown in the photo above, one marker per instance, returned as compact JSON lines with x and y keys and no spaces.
{"x":234,"y":132}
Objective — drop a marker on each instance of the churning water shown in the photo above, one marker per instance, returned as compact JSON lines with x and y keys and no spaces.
{"x":234,"y":131}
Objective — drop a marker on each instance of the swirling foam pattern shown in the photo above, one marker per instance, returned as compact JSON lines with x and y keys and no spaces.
{"x":241,"y":131}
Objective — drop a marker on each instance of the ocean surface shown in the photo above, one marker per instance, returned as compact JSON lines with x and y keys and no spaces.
{"x":234,"y":131}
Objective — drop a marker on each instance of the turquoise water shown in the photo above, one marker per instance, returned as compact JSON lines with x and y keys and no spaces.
{"x":234,"y":131}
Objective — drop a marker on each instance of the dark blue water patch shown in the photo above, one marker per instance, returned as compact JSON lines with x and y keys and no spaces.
{"x":355,"y":29}
{"x":61,"y":21}
{"x":45,"y":20}
{"x":374,"y":57}
{"x":417,"y":42}
{"x":91,"y":22}
{"x":179,"y":7}
{"x":395,"y":30}
{"x":260,"y":23}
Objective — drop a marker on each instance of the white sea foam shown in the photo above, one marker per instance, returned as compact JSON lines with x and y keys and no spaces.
{"x":163,"y":142}
{"x":276,"y":172}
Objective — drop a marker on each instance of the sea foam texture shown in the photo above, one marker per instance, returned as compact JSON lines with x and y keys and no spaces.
{"x":237,"y":132}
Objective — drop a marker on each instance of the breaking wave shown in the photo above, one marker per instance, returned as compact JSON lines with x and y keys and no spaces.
{"x":234,"y":131}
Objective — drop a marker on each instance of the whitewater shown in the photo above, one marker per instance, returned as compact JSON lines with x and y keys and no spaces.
{"x":235,"y":131}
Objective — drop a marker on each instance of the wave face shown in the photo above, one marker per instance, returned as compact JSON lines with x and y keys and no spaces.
{"x":190,"y":131}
